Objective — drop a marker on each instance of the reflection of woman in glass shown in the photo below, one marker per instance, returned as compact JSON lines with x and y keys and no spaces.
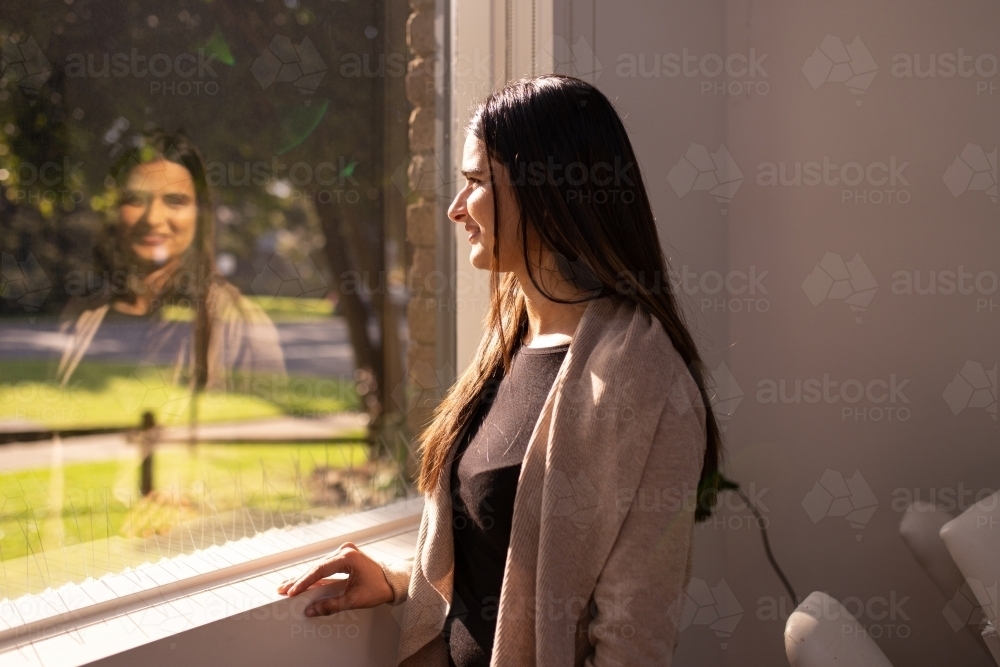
{"x":162,"y":301}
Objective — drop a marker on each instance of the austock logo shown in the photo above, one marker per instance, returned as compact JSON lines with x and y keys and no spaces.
{"x":284,"y":276}
{"x":171,"y":74}
{"x":958,"y":282}
{"x":836,"y":62}
{"x":324,"y":182}
{"x":578,"y":60}
{"x":24,"y":282}
{"x":727,"y":395}
{"x":712,"y":606}
{"x":24,"y":64}
{"x":833,"y":279}
{"x":421,"y":173}
{"x":873,"y":182}
{"x":834,"y":496}
{"x":974,"y":388}
{"x":576,"y":500}
{"x":944,"y":499}
{"x":733,"y":512}
{"x":154,"y":388}
{"x":876,"y":182}
{"x":422,"y":387}
{"x":283,"y":62}
{"x":981,"y":67}
{"x":883,"y":616}
{"x":701,"y":171}
{"x":735,"y":291}
{"x":49,"y":182}
{"x":874,"y":400}
{"x":974,"y":170}
{"x":966,"y":607}
{"x":732,"y":74}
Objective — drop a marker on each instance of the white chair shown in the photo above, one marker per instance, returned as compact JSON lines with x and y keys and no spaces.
{"x":921,"y":532}
{"x":973,"y":539}
{"x":822,"y":633}
{"x":992,"y":641}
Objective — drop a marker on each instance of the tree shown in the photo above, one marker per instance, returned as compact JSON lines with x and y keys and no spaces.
{"x":297,"y":107}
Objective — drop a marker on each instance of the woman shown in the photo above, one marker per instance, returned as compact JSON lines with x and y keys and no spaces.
{"x":158,"y":252}
{"x":564,"y":471}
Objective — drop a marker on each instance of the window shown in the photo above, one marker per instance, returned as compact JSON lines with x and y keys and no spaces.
{"x":205,"y":257}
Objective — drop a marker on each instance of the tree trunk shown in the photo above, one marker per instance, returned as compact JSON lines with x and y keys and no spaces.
{"x":352,"y":307}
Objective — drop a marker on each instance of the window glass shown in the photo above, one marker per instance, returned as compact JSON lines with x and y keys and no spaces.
{"x":203,"y":312}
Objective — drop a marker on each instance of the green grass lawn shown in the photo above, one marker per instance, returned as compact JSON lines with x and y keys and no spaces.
{"x":102,"y":394}
{"x":55,"y":523}
{"x":110,"y":394}
{"x":281,"y":309}
{"x":49,"y":510}
{"x":294,"y":309}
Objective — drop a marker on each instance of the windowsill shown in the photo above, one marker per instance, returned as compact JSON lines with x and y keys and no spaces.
{"x":81,"y":623}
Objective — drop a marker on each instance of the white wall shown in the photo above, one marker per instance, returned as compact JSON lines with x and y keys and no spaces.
{"x":921,"y":447}
{"x":780,"y":452}
{"x":275,"y":634}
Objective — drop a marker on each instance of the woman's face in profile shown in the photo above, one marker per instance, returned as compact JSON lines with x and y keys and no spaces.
{"x":473,"y":208}
{"x":158,"y":211}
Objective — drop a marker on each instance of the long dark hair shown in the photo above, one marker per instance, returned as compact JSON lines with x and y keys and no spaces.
{"x":196,"y":270}
{"x":577,"y":184}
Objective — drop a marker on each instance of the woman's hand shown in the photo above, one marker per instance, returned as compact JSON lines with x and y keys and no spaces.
{"x":366,"y":582}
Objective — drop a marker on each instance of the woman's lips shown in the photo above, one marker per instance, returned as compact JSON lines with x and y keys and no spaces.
{"x":473,"y":232}
{"x":153,"y":239}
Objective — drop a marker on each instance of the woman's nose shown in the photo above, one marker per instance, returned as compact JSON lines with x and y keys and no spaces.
{"x":155,"y":212}
{"x":457,"y":211}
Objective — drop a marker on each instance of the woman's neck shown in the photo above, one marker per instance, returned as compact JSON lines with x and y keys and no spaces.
{"x":152,"y":285}
{"x":549,"y":322}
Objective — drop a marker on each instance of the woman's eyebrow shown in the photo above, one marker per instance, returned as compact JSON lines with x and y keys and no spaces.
{"x":162,"y":192}
{"x":472,"y":172}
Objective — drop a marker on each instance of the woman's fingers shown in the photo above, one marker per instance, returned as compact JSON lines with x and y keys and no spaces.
{"x":285,"y":585}
{"x":327,"y":607}
{"x":366,"y":585}
{"x":338,"y":562}
{"x":321,"y":571}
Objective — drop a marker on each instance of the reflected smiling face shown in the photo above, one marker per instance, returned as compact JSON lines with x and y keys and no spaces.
{"x":158,"y":211}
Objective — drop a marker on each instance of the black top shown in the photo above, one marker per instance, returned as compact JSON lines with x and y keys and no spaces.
{"x":127,"y":339}
{"x":483,"y":486}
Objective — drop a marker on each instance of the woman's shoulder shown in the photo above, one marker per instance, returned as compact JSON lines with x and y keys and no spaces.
{"x":227,"y":304}
{"x":630,"y":347}
{"x":620,"y":331}
{"x":82,"y":308}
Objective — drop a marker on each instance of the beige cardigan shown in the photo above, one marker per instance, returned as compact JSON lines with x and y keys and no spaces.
{"x":601,"y":543}
{"x":243,"y":342}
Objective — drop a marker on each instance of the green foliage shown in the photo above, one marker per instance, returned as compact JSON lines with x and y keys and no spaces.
{"x":84,"y":114}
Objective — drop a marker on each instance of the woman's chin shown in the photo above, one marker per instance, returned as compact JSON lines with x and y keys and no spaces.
{"x":153,"y":254}
{"x":478,"y":258}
